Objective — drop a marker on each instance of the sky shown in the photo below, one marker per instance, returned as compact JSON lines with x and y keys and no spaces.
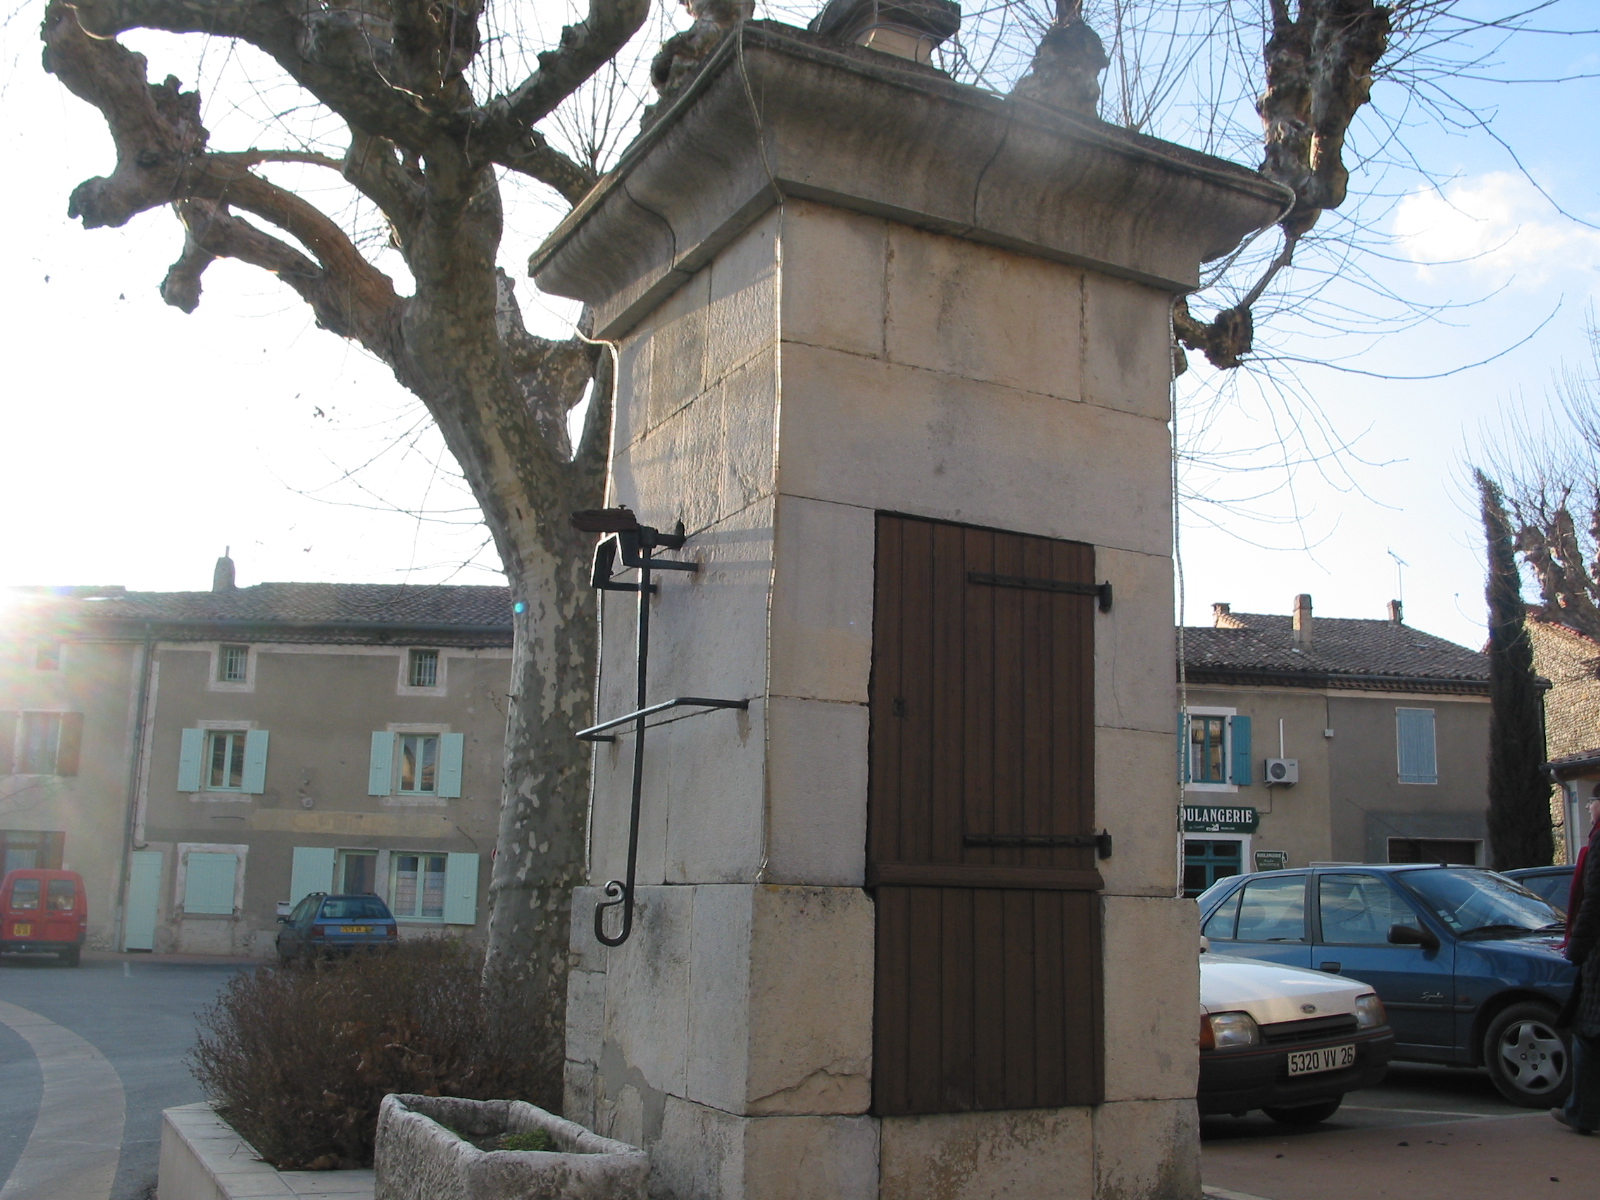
{"x":141,"y":441}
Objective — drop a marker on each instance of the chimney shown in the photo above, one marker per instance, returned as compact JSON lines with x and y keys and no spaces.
{"x":1218,"y":612}
{"x":222,"y":573}
{"x":1396,"y":613}
{"x":1302,"y":619}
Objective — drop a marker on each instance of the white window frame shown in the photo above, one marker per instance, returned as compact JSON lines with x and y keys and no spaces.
{"x":214,"y":682}
{"x":398,"y":799}
{"x":180,"y":877}
{"x":440,"y":686}
{"x":230,"y":731}
{"x":392,"y":881}
{"x":1201,"y":710}
{"x":206,"y":792}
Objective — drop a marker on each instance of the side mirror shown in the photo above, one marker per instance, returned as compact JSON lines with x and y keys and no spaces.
{"x":285,"y":921}
{"x":1205,"y":944}
{"x":1410,"y":935}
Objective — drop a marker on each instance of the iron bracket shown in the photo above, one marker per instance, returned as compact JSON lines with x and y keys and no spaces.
{"x":633,"y":544}
{"x":1102,"y":591}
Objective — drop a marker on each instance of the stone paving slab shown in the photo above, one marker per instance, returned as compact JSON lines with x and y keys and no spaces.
{"x":1496,"y":1158}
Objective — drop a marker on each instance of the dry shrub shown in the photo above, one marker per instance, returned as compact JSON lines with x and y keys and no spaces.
{"x":298,"y":1059}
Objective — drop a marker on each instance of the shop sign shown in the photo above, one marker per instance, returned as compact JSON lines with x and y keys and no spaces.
{"x":1217,"y":818}
{"x":1271,"y":860}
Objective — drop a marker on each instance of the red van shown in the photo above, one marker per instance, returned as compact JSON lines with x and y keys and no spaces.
{"x":43,"y":912}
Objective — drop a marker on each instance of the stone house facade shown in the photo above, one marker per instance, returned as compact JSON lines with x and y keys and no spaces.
{"x":1382,"y":728}
{"x":1571,"y":662}
{"x":204,"y":758}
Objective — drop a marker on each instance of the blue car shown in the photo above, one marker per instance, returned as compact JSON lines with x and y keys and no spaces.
{"x":1550,"y":884}
{"x":1467,"y":963}
{"x":322,"y":924}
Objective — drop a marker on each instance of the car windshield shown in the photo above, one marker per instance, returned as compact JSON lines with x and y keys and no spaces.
{"x":1481,"y":903}
{"x":354,"y":908}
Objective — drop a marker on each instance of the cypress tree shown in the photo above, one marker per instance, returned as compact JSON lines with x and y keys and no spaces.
{"x":1519,"y":792}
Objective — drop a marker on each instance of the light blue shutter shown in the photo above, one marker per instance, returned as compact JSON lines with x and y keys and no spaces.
{"x":451,"y":746}
{"x":1239,"y":750}
{"x":191,"y":748}
{"x":208,"y":882}
{"x":1183,"y":747}
{"x":255,"y":761}
{"x":380,"y":772}
{"x":461,"y":889}
{"x":1414,"y":734}
{"x":144,"y":899}
{"x":310,"y":871}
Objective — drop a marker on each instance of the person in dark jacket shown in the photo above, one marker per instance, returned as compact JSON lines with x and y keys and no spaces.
{"x":1582,"y":1013}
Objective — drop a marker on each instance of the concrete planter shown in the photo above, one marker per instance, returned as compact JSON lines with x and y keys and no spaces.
{"x":203,"y":1158}
{"x":421,"y":1154}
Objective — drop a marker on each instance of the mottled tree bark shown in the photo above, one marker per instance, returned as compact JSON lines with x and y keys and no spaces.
{"x":1319,"y":61}
{"x":424,"y":151}
{"x":1518,"y":816}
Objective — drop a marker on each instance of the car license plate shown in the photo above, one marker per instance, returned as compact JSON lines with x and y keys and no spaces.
{"x":355,"y":929}
{"x":1328,"y":1058}
{"x":22,"y":931}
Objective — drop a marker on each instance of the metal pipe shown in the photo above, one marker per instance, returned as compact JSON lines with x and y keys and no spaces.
{"x":593,"y":733}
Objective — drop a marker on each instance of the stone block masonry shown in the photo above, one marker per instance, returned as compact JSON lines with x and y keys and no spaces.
{"x":847,"y":290}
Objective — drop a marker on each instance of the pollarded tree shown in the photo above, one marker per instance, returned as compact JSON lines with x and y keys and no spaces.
{"x":428,"y":140}
{"x":427,"y":153}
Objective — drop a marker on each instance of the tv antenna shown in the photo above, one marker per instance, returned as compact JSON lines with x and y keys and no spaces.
{"x":1399,"y":575}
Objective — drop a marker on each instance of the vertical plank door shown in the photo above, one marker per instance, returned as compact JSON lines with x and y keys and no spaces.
{"x":980,"y":821}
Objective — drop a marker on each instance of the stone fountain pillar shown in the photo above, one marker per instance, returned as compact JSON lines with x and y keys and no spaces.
{"x":865,"y":315}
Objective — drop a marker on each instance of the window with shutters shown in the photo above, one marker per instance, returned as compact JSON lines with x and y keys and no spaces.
{"x":40,"y":743}
{"x":981,"y":851}
{"x":1216,"y":750}
{"x":419,"y":766}
{"x":210,"y":882}
{"x":1414,"y":737}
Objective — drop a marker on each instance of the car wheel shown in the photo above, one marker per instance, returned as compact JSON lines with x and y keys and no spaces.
{"x":69,"y":958}
{"x":1527,"y":1059}
{"x":1305,"y":1114}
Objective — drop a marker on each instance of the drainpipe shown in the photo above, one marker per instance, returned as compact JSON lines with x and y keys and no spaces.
{"x":136,"y":766}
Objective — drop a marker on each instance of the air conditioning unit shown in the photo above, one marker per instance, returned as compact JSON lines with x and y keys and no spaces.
{"x":1284,"y":771}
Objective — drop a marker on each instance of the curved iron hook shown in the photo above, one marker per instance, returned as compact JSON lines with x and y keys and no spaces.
{"x":619,"y":895}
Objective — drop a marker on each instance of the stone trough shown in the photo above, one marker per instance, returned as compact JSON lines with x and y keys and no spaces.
{"x":424,"y":1153}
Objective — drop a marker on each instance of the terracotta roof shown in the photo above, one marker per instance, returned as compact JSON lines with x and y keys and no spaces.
{"x":291,"y":611}
{"x":1263,"y":644}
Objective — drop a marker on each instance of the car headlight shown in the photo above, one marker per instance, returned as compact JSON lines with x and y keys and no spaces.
{"x":1369,"y":1012}
{"x":1228,"y":1029}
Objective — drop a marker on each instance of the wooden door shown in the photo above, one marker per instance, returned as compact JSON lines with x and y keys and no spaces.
{"x":980,"y":838}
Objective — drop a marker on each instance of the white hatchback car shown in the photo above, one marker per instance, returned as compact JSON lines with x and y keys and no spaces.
{"x":1286,"y":1040}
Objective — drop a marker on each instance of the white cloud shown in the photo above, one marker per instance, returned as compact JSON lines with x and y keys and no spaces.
{"x":1496,"y":224}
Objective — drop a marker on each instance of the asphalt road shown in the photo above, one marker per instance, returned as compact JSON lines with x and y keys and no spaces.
{"x":1411,"y":1094}
{"x":139,"y":1014}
